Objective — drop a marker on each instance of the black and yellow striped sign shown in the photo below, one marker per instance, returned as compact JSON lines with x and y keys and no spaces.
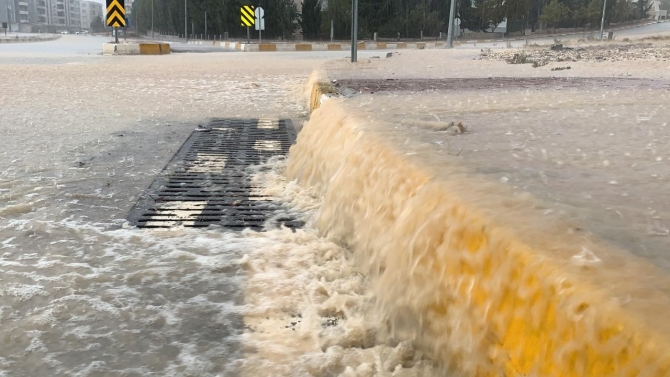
{"x":247,"y":15}
{"x":116,"y":13}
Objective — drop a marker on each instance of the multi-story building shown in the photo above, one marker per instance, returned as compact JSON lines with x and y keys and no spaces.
{"x":58,"y":12}
{"x":43,"y":11}
{"x":128,"y":5}
{"x":73,"y":13}
{"x":89,"y":11}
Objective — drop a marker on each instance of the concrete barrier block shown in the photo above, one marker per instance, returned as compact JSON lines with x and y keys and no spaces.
{"x":303,"y":47}
{"x":150,"y":49}
{"x":381,"y":46}
{"x":402,"y":45}
{"x":334,"y":47}
{"x":267,"y":47}
{"x":361,"y":46}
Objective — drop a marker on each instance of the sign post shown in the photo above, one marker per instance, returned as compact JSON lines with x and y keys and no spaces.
{"x":260,"y":22}
{"x":116,"y":16}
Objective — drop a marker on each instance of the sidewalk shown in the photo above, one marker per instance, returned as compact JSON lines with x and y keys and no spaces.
{"x":512,"y":216}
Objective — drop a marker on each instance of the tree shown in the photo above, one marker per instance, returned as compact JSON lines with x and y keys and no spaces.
{"x":622,"y":11}
{"x":554,"y":13}
{"x":97,"y":25}
{"x":283,"y":21}
{"x":310,"y":19}
{"x":492,"y":13}
{"x":643,"y":7}
{"x":470,"y":18}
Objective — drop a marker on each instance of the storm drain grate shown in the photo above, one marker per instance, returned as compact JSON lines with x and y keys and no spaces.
{"x":208,"y":183}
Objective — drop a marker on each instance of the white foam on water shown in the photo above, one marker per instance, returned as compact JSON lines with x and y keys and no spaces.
{"x":102,"y":299}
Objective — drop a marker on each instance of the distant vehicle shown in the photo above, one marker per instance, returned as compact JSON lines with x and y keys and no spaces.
{"x":65,"y":32}
{"x":83,"y":32}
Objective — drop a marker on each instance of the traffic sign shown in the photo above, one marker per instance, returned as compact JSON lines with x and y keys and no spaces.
{"x":260,"y":21}
{"x":247,"y":15}
{"x":116,"y":13}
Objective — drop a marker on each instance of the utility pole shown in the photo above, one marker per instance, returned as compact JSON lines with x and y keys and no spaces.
{"x":450,"y":30}
{"x":186,"y":20}
{"x":354,"y":31}
{"x":205,"y":24}
{"x":602,"y":20}
{"x":152,"y":19}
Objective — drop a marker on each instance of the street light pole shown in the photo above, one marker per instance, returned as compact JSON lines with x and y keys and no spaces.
{"x":354,"y":31}
{"x":186,"y":20}
{"x":602,"y":20}
{"x":152,"y":19}
{"x":450,"y":30}
{"x":205,"y":24}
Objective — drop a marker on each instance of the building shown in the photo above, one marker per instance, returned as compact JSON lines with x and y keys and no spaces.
{"x":19,"y":13}
{"x":655,"y":11}
{"x":128,"y":5}
{"x":73,"y":13}
{"x":89,"y":11}
{"x":44,"y":15}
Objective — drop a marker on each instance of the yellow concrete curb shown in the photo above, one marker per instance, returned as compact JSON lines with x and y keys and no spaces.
{"x":267,"y":47}
{"x":512,"y":300}
{"x":154,"y":48}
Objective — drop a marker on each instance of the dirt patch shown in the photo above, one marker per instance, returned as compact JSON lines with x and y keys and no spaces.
{"x":496,"y":83}
{"x":597,"y":53}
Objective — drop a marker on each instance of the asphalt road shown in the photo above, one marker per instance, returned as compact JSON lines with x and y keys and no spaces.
{"x":70,"y":47}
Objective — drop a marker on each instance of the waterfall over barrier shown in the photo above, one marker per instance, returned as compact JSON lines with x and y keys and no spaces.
{"x":471,"y":271}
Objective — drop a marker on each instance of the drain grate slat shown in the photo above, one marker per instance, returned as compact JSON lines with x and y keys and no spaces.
{"x":207,"y":181}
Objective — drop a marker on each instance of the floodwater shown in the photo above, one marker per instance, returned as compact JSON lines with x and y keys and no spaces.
{"x":84,"y":294}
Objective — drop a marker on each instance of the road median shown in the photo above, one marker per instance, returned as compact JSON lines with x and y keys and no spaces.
{"x":489,"y":280}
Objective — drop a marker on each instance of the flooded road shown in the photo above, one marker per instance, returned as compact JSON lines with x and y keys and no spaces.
{"x":84,"y":294}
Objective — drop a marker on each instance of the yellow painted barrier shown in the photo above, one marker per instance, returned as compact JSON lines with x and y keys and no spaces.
{"x":267,"y":47}
{"x":491,"y":283}
{"x":154,"y":48}
{"x":381,"y":46}
{"x":361,"y":46}
{"x":303,"y":47}
{"x":334,"y":47}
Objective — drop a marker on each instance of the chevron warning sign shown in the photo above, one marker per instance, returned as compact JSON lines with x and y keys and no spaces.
{"x":247,"y":15}
{"x":116,"y":13}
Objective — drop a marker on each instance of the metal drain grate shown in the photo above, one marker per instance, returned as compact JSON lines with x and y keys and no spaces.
{"x":207,"y":181}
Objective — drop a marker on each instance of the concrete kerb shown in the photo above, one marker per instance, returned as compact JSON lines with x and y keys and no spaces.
{"x":136,"y":49}
{"x":613,"y":342}
{"x":300,"y":47}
